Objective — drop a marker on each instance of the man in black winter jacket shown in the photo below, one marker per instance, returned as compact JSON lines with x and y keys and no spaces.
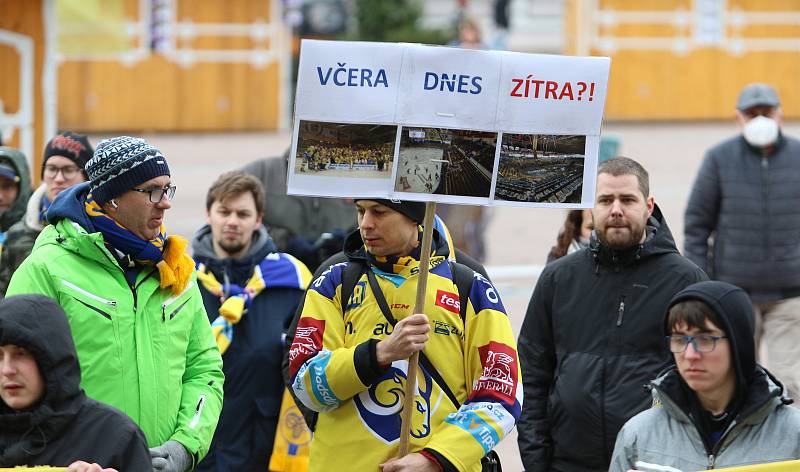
{"x":742,"y":224}
{"x":591,"y":338}
{"x":46,"y":417}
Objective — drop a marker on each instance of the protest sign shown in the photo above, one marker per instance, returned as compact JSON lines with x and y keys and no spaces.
{"x":442,"y":124}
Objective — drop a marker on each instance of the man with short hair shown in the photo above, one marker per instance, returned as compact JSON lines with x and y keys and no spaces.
{"x":64,"y":158}
{"x":348,"y":357}
{"x":15,"y":188}
{"x":591,"y":335}
{"x":742,"y":225}
{"x":131,"y":296}
{"x":714,"y":407}
{"x":250,"y":291}
{"x":47,"y":418}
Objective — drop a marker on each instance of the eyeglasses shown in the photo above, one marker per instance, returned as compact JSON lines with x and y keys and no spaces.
{"x":156,"y":194}
{"x":69,"y":172}
{"x":700,"y":343}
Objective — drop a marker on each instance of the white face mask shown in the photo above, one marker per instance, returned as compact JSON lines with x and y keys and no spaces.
{"x":761,"y":131}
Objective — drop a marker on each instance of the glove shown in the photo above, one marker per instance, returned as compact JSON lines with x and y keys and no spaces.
{"x":170,"y":457}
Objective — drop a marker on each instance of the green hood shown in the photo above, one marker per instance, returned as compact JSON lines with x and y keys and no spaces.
{"x":17,"y":210}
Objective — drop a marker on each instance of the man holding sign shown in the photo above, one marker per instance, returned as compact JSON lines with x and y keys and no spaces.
{"x":348,"y":357}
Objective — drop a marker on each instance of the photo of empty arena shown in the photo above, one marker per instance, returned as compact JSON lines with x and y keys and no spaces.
{"x":541,"y":168}
{"x":345,"y":150}
{"x":445,"y":161}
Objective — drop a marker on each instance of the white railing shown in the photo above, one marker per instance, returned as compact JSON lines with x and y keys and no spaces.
{"x":709,"y":23}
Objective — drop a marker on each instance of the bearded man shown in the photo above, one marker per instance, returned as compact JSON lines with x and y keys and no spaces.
{"x":592,"y":334}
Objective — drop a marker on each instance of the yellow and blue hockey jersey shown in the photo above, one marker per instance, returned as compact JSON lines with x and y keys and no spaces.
{"x":359,"y":424}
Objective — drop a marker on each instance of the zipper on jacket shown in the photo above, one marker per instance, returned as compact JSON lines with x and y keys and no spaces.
{"x":198,"y":411}
{"x":765,"y":200}
{"x":621,"y":311}
{"x":711,"y":459}
{"x":88,"y":294}
{"x":171,"y":299}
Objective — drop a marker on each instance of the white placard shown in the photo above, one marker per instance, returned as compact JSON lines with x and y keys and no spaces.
{"x":448,"y":87}
{"x":552,"y":94}
{"x":433,"y":123}
{"x":350,"y":82}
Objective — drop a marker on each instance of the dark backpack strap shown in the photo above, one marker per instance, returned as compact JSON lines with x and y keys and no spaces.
{"x":350,"y":277}
{"x":462,"y":277}
{"x":423,"y":359}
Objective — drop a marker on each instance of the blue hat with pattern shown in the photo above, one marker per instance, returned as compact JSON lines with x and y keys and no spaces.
{"x":120,"y":164}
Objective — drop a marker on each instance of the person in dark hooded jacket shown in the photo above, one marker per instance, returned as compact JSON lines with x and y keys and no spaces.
{"x":15,"y":188}
{"x":250,"y":292}
{"x":714,"y":407}
{"x":591,"y":338}
{"x":62,"y":425}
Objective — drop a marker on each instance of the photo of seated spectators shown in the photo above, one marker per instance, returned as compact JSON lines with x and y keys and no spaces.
{"x":345,"y":150}
{"x":541,"y":168}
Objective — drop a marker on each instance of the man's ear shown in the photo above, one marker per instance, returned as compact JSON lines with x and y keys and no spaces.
{"x":110,"y":208}
{"x":208,"y":216}
{"x":260,"y":218}
{"x":651,"y":204}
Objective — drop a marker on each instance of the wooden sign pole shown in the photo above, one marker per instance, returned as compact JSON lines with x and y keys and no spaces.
{"x":410,"y":389}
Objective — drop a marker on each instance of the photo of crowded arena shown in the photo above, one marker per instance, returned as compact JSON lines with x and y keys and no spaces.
{"x":445,"y":161}
{"x":541,"y":168}
{"x":345,"y":150}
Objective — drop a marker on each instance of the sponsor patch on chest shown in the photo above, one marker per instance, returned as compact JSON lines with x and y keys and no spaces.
{"x":449,"y":301}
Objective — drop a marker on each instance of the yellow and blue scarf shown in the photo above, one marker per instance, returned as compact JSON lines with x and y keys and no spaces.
{"x":277,"y":270}
{"x":166,"y":253}
{"x":43,"y":207}
{"x":398,"y":269}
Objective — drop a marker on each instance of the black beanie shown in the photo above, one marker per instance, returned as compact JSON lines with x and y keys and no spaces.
{"x":74,"y":147}
{"x":120,"y":164}
{"x":734,"y":312}
{"x":413,"y":210}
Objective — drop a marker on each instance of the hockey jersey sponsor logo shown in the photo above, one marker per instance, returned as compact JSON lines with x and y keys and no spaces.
{"x":471,"y":422}
{"x":484,"y":296}
{"x":307,"y":342}
{"x":449,"y":301}
{"x":357,"y":297}
{"x":499,"y":377}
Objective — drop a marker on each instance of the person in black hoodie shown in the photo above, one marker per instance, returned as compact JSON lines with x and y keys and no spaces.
{"x":250,"y":291}
{"x":46,"y":417}
{"x":714,"y":407}
{"x":591,"y":338}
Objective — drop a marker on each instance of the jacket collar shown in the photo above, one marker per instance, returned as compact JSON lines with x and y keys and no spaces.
{"x":763,"y":394}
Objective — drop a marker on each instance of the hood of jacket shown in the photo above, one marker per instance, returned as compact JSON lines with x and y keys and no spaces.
{"x":69,"y":205}
{"x":658,"y":241}
{"x":32,"y":212}
{"x":763,"y":393}
{"x":734,"y":312}
{"x":38,"y":324}
{"x":17,"y":209}
{"x":240,"y":269}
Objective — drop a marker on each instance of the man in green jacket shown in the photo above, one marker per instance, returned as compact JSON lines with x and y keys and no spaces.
{"x":130,"y":292}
